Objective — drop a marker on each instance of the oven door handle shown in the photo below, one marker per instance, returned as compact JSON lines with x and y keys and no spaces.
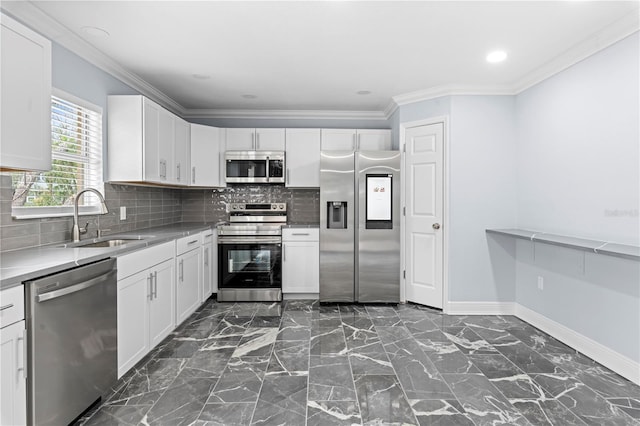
{"x":249,"y":240}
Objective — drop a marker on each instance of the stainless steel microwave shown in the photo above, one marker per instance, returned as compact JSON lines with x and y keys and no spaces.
{"x":254,"y":166}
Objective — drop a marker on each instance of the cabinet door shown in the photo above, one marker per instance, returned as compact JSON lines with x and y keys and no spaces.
{"x":206,"y":271}
{"x":181,"y":151}
{"x":153,"y":166}
{"x":205,"y":155}
{"x":303,"y":158}
{"x":134,"y":293}
{"x":162,"y":304}
{"x":338,"y":139}
{"x":13,"y":395}
{"x":270,"y":140}
{"x":25,"y":134}
{"x":240,"y":139}
{"x":166,"y":146}
{"x":188,"y":284}
{"x":300,"y":267}
{"x":374,"y":140}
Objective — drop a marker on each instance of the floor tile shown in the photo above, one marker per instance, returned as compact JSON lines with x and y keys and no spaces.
{"x":300,"y":361}
{"x":382,"y":401}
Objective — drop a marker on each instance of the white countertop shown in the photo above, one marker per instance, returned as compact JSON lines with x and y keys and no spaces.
{"x":21,"y":265}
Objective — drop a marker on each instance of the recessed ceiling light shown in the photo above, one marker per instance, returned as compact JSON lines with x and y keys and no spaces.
{"x":201,"y":76}
{"x":363,"y":92}
{"x":95,"y":32}
{"x":496,"y":56}
{"x":249,"y":96}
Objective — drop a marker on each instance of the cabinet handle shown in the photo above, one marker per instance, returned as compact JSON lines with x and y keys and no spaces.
{"x":208,"y":235}
{"x":287,"y":176}
{"x":178,"y":171}
{"x":192,"y":242}
{"x":10,"y":305}
{"x":299,"y":233}
{"x":150,"y":281}
{"x":257,"y":141}
{"x":358,"y":142}
{"x":155,"y":284}
{"x":355,"y":144}
{"x":284,"y":252}
{"x":206,"y":256}
{"x":181,"y":266}
{"x":193,"y":174}
{"x":253,"y":141}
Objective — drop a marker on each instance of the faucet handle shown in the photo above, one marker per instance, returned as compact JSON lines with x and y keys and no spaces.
{"x":85,"y":229}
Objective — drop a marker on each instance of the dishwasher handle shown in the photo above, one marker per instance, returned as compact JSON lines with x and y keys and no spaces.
{"x":75,"y":288}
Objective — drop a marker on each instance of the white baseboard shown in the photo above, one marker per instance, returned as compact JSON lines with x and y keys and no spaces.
{"x":611,"y":359}
{"x":480,"y":308}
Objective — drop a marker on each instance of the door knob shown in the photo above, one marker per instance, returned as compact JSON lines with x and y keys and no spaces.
{"x":436,"y":226}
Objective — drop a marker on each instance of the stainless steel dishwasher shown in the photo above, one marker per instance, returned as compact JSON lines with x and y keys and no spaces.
{"x":72,"y":335}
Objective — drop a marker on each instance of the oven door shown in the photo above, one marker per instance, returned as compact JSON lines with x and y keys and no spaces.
{"x":246,"y":263}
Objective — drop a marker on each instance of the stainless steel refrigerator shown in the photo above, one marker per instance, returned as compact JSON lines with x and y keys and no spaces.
{"x":360,"y":226}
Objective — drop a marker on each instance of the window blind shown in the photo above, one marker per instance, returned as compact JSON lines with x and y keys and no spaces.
{"x":76,"y":153}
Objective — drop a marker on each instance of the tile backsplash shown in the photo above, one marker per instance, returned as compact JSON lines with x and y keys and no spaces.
{"x":148,"y":207}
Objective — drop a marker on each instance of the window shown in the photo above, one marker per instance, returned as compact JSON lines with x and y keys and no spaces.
{"x":76,"y":154}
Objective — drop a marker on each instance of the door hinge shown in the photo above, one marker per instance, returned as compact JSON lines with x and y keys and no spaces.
{"x":404,"y":211}
{"x":404,"y":274}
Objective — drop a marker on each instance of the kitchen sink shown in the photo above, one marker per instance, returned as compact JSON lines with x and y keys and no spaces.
{"x":109,"y":243}
{"x":106,"y":242}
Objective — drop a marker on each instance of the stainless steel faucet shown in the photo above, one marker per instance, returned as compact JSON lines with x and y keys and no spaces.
{"x":77,"y":231}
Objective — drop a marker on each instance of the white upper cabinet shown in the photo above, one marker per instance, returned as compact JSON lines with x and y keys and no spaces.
{"x":240,"y":139}
{"x":25,"y":98}
{"x":146,"y":143}
{"x":206,"y":153}
{"x":182,"y":155}
{"x":302,"y":158}
{"x":338,"y":140}
{"x":356,"y":140}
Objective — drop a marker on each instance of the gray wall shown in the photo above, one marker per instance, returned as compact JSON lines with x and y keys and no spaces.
{"x":578,"y":158}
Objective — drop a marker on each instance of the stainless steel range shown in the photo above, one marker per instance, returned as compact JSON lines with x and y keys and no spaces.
{"x":249,"y":253}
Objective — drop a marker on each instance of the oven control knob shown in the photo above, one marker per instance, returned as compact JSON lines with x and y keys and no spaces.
{"x":273,"y":207}
{"x":281,"y":206}
{"x":234,"y":206}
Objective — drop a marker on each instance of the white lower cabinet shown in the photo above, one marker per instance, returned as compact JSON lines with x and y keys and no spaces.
{"x":146,"y":302}
{"x":13,"y":394}
{"x":189,"y":276}
{"x":300,"y":260}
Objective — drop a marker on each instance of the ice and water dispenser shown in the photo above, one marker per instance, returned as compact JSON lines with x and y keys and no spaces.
{"x":336,"y":214}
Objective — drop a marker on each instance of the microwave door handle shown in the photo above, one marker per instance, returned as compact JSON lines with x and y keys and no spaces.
{"x":267,"y":170}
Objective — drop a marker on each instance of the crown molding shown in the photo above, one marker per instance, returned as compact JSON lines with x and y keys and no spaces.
{"x":450,"y":90}
{"x":604,"y":38}
{"x":35,"y":18}
{"x":284,"y":114}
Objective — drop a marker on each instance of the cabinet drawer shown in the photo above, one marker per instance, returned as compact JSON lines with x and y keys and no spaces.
{"x":11,"y":305}
{"x":186,"y":244}
{"x":207,"y":236}
{"x":132,"y":263}
{"x":300,"y":234}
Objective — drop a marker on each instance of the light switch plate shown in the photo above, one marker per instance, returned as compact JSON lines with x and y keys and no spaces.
{"x":123,"y":212}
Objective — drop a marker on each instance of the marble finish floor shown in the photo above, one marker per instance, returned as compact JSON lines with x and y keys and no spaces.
{"x":301,"y":363}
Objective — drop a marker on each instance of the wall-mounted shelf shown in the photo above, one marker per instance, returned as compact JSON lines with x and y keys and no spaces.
{"x":595,"y":246}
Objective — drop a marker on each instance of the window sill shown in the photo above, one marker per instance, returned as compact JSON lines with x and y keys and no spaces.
{"x":21,"y":213}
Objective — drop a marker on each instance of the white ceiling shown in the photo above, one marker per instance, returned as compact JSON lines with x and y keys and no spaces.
{"x":302,"y":55}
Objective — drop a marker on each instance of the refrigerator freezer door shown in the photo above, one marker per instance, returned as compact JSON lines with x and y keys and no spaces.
{"x":378,"y":231}
{"x":337,"y":233}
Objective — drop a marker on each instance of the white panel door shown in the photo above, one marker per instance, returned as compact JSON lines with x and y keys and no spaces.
{"x":338,"y":140}
{"x":238,"y":139}
{"x":181,"y":151}
{"x":188,"y":284}
{"x":162,"y":304}
{"x":424,"y":211}
{"x":205,"y":155}
{"x":13,"y":395}
{"x":301,"y":267}
{"x":270,"y":140}
{"x":133,"y":319}
{"x":153,"y":166}
{"x":303,"y":158}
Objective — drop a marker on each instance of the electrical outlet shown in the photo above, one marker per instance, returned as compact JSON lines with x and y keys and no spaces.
{"x":540,"y":283}
{"x":123,"y":213}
